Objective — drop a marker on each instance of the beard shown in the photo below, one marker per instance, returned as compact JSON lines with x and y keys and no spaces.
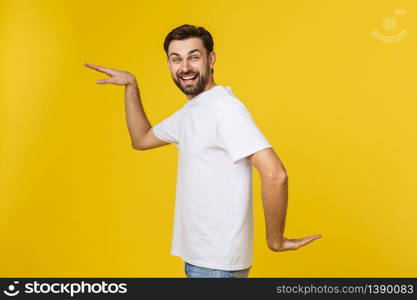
{"x":194,"y":88}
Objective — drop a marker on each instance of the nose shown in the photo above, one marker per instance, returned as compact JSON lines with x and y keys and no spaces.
{"x":186,"y":66}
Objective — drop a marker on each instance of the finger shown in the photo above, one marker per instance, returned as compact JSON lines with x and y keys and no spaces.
{"x":104,"y":81}
{"x":307,"y":240}
{"x":102,"y":69}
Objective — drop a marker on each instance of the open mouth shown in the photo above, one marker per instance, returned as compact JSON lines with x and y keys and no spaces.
{"x":188,"y":79}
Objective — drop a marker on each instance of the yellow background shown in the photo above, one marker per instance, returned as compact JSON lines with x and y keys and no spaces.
{"x":338,"y":105}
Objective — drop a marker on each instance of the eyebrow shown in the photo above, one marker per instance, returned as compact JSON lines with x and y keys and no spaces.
{"x":189,"y":52}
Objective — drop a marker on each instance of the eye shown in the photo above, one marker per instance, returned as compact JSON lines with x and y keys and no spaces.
{"x":195,"y":57}
{"x":176,"y":59}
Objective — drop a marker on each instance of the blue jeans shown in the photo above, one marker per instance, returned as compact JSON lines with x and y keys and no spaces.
{"x":193,"y":271}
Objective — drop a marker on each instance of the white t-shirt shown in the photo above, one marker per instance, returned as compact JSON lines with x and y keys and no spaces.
{"x":213,"y":220}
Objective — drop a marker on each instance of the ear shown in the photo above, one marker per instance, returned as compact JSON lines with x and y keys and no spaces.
{"x":212,"y":59}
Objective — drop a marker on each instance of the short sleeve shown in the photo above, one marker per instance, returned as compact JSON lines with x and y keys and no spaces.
{"x":238,"y":132}
{"x":169,"y":129}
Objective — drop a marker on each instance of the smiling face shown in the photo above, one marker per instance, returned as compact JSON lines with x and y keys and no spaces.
{"x":190,"y":66}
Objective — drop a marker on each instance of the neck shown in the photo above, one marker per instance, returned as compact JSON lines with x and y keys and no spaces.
{"x":210,"y":84}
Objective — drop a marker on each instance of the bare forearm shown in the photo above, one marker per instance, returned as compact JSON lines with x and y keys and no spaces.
{"x":275,"y":201}
{"x":137,"y":122}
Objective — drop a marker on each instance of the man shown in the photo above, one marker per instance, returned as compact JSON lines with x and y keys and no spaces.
{"x":218,"y":144}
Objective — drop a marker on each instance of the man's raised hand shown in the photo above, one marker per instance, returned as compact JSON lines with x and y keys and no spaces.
{"x":292,"y":244}
{"x":117,"y":77}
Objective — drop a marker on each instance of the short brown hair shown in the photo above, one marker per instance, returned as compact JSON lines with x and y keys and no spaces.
{"x":187,"y":31}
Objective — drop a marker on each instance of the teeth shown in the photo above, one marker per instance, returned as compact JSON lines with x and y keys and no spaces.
{"x":187,"y":78}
